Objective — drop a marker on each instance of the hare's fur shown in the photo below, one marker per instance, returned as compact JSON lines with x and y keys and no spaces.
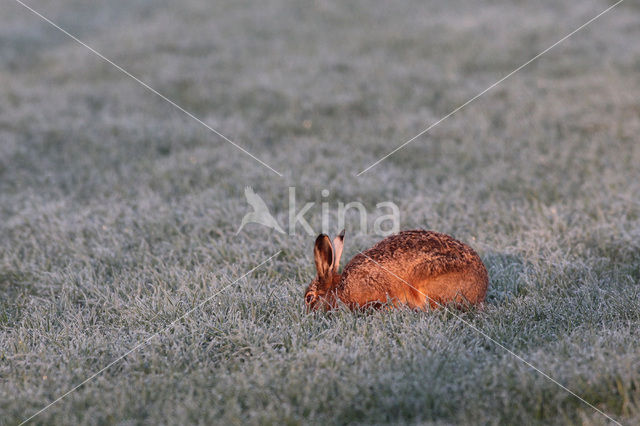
{"x":413,"y":268}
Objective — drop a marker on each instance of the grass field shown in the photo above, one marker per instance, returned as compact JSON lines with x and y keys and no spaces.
{"x":118,"y":213}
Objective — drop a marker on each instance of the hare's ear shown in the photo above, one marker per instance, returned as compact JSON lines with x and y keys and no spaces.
{"x":338,"y":244}
{"x":323,"y":256}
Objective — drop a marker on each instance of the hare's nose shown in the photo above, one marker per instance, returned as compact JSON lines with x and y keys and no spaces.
{"x":309,"y":299}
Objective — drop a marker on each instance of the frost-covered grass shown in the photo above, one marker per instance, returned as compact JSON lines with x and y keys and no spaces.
{"x":118,"y":213}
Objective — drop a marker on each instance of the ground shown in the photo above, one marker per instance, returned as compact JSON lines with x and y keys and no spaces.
{"x":119,"y":212}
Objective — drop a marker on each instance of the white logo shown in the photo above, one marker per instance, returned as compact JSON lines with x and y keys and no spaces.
{"x":260,"y":213}
{"x":383,"y":224}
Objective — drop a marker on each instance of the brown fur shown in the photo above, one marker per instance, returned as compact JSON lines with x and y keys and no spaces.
{"x":411,"y":268}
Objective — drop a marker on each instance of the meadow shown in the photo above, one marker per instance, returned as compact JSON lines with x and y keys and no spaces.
{"x":118,"y":212}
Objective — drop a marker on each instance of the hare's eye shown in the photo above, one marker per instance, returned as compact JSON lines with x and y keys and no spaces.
{"x":309,"y":298}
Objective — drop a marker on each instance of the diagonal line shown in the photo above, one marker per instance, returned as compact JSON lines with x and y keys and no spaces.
{"x":147,"y":340}
{"x":518,"y":357}
{"x":492,"y":86}
{"x":145,"y":85}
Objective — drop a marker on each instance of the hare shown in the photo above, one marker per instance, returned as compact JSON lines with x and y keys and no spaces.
{"x":412,"y":268}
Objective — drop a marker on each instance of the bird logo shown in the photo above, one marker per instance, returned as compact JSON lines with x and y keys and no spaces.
{"x":260,"y":213}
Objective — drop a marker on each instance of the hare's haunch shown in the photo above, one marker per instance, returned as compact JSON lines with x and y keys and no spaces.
{"x":412,"y":268}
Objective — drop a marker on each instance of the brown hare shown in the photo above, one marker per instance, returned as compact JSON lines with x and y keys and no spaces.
{"x":412,"y":268}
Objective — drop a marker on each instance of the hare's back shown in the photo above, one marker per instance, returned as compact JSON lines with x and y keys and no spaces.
{"x":409,"y":249}
{"x":409,"y":257}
